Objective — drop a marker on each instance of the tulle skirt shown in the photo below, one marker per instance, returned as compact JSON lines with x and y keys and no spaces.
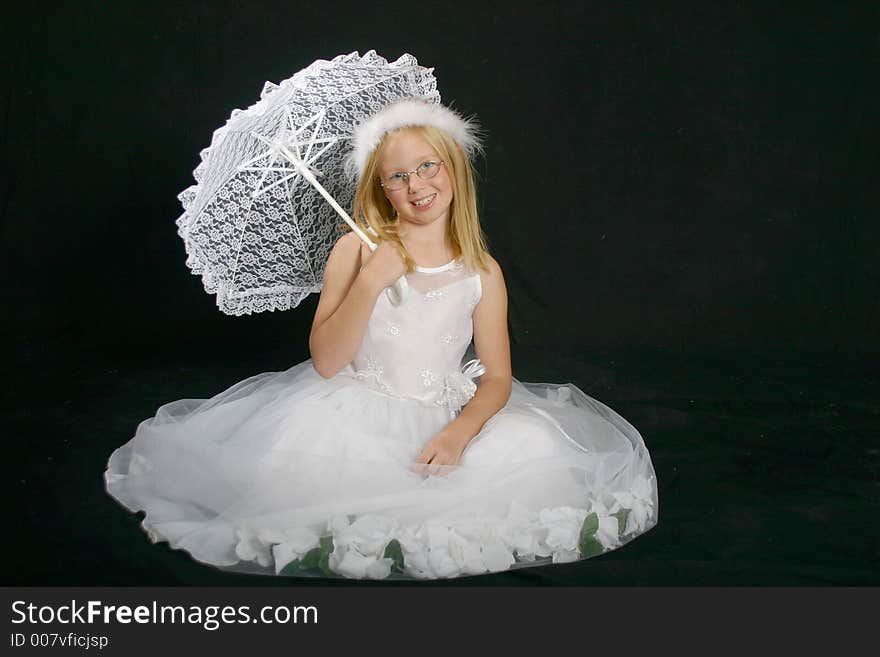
{"x":290,"y":473}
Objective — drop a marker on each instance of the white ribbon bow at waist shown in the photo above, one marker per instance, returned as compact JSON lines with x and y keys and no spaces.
{"x":459,"y":387}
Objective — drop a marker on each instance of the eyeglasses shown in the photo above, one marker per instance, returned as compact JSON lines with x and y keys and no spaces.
{"x":400,"y":179}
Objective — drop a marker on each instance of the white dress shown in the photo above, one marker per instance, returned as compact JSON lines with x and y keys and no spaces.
{"x":291,"y":473}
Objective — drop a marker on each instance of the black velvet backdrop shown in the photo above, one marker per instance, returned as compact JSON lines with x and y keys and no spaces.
{"x":682,"y":197}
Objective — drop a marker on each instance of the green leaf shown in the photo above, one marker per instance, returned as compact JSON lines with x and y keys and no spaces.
{"x":590,"y":547}
{"x":326,"y":548}
{"x":394,"y":552}
{"x":591,"y":524}
{"x":621,"y":516}
{"x":291,"y":569}
{"x":588,"y":544}
{"x":311,"y":559}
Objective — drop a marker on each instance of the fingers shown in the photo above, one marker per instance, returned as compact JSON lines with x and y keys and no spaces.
{"x":420,"y":465}
{"x":433,"y":464}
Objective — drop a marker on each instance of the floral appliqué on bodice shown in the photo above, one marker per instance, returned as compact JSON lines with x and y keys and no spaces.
{"x":415,"y":350}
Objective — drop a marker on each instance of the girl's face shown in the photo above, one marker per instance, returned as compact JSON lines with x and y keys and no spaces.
{"x":419,"y":201}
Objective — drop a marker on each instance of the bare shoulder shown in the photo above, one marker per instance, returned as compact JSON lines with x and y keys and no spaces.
{"x":494,"y":267}
{"x":493,"y":277}
{"x":347,"y":244}
{"x":345,"y":254}
{"x":493,"y":289}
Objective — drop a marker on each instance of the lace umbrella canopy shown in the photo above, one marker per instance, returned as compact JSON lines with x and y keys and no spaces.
{"x":255,"y":228}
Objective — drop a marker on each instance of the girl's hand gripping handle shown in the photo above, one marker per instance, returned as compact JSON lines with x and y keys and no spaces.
{"x":389,"y":267}
{"x":398,"y":292}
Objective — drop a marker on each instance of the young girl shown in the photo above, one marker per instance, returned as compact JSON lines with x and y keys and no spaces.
{"x":383,"y":455}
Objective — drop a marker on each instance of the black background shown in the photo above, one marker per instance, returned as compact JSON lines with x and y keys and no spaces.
{"x":682,"y":197}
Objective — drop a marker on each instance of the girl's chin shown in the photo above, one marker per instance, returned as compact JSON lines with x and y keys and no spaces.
{"x":422,"y":219}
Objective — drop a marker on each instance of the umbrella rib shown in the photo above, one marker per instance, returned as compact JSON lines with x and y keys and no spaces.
{"x":260,"y":192}
{"x":320,"y":153}
{"x":266,"y":169}
{"x":329,"y":141}
{"x":318,"y":125}
{"x":270,"y":155}
{"x":299,"y":238}
{"x":263,"y":179}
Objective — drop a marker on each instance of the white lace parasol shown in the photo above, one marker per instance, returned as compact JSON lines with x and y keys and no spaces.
{"x":257,"y":225}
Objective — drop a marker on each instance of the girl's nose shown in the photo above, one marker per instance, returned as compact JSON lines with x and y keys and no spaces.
{"x":414,"y":182}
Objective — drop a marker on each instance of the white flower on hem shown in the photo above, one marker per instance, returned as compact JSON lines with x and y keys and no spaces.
{"x":413,"y":544}
{"x":348,"y":562}
{"x":467,"y":554}
{"x":301,"y":539}
{"x":441,"y":563}
{"x":284,"y":553}
{"x":521,"y":532}
{"x":411,"y":538}
{"x":368,"y":534}
{"x":379,"y":569}
{"x":564,"y":527}
{"x":251,"y":548}
{"x":566,"y":556}
{"x":497,"y":556}
{"x":525,"y":544}
{"x":640,"y":503}
{"x":416,"y":563}
{"x":290,"y":544}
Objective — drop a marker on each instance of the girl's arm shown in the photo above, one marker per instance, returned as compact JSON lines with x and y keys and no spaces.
{"x":348,"y":296}
{"x":492,"y":344}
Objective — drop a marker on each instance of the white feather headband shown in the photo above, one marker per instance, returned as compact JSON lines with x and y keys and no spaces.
{"x":408,"y":112}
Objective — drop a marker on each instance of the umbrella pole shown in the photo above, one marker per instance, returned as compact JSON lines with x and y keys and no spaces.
{"x":304,"y":170}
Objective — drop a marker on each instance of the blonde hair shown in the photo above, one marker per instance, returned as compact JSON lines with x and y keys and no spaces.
{"x":373,"y":209}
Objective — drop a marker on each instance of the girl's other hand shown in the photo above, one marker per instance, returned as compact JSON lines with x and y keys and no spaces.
{"x":384,"y":265}
{"x":441,"y":452}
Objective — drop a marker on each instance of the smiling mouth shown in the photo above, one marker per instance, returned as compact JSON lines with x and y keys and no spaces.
{"x":425,"y":201}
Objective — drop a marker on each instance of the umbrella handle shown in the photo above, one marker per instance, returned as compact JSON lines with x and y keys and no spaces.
{"x":398,"y":293}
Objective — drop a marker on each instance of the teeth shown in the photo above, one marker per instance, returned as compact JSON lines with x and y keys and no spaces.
{"x":424,"y":201}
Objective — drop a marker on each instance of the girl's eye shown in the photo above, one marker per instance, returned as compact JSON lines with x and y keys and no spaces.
{"x":396,"y":177}
{"x":427,"y":167}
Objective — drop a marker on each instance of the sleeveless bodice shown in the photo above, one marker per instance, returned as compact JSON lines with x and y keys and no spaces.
{"x":415,"y":350}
